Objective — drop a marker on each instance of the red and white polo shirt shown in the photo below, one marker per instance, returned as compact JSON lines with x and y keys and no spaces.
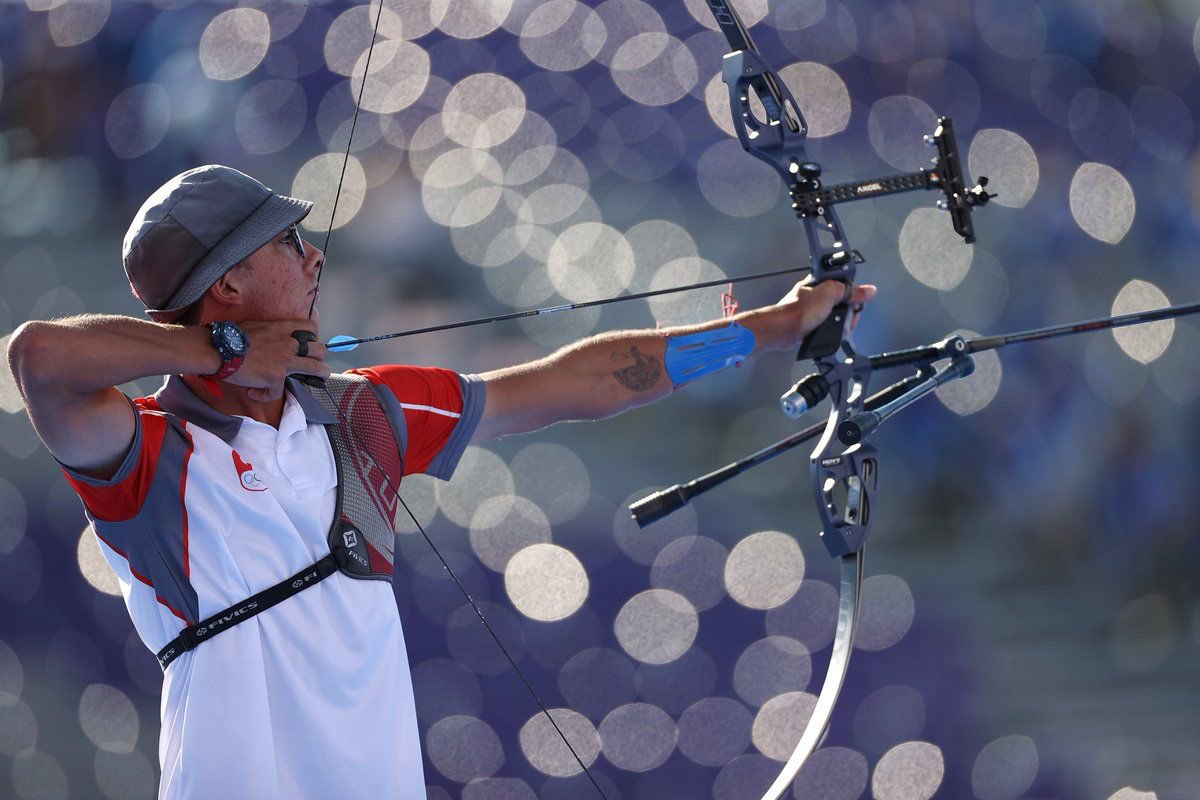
{"x":312,"y":698}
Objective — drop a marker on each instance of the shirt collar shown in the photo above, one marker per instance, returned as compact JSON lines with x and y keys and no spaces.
{"x":175,"y":397}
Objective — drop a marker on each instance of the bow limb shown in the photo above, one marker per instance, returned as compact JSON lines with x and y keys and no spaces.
{"x":839,"y":662}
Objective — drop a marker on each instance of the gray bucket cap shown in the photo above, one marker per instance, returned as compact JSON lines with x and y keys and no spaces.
{"x":194,"y":229}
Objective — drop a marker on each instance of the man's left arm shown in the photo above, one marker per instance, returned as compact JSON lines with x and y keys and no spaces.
{"x":604,"y":375}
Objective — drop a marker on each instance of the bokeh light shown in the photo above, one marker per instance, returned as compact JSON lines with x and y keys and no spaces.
{"x":764,"y":570}
{"x":931,"y":250}
{"x":822,"y":95}
{"x":125,"y":776}
{"x":771,"y":667}
{"x":270,"y":116}
{"x":653,"y":68}
{"x":735,"y":186}
{"x":464,"y":748}
{"x":780,"y":723}
{"x":714,"y":731}
{"x":37,"y":775}
{"x":541,"y":743}
{"x":74,"y":22}
{"x":546,"y":582}
{"x":887,"y":612}
{"x":490,"y":477}
{"x":504,"y":525}
{"x":1005,"y":768}
{"x":108,"y":718}
{"x":554,"y":477}
{"x":94,"y":567}
{"x":234,"y":43}
{"x":1009,"y":164}
{"x":137,"y":120}
{"x":1102,"y":202}
{"x":589,"y":261}
{"x":975,"y":392}
{"x":318,"y":180}
{"x":656,"y":626}
{"x":1130,"y":793}
{"x":638,"y":736}
{"x":1143,"y":343}
{"x":896,"y":126}
{"x":483,"y":110}
{"x":470,"y":19}
{"x":19,"y":731}
{"x":562,"y":35}
{"x":833,"y":773}
{"x":909,"y":771}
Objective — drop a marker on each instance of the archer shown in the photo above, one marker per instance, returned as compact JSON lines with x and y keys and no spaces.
{"x":253,"y":555}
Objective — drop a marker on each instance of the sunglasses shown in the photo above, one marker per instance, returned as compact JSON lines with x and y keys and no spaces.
{"x":292,"y":237}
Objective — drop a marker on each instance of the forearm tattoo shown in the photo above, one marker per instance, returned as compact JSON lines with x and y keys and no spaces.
{"x":642,"y":374}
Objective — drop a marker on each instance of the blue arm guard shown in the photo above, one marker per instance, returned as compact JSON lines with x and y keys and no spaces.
{"x":697,"y":354}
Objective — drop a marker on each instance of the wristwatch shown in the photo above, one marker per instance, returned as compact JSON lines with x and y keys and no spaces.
{"x":231,"y":344}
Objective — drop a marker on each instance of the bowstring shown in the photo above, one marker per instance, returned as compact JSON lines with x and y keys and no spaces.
{"x":346,"y":158}
{"x":395,"y":490}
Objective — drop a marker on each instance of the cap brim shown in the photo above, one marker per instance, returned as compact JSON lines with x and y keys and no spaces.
{"x":270,"y":219}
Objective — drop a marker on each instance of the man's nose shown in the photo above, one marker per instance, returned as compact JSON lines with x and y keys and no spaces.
{"x":314,"y":256}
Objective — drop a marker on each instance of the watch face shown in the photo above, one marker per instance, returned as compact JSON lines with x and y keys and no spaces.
{"x":233,"y":338}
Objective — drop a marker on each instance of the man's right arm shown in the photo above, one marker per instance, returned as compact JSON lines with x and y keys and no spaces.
{"x":67,"y":372}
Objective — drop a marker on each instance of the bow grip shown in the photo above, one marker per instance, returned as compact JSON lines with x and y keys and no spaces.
{"x":826,"y":338}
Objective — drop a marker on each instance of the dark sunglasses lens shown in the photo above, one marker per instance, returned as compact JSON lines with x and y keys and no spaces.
{"x":297,"y":242}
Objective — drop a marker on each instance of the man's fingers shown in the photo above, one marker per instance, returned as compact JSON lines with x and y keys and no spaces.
{"x":309,"y":366}
{"x":863,"y":293}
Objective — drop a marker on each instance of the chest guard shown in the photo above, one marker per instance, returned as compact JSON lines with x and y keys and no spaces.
{"x":366,"y":450}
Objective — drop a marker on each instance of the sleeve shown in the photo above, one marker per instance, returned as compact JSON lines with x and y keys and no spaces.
{"x":121,"y":497}
{"x":436,"y":411}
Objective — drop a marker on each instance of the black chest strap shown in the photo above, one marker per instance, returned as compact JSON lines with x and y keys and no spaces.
{"x":193,"y":635}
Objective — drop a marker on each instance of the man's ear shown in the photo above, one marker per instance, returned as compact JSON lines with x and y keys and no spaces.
{"x":228,"y":289}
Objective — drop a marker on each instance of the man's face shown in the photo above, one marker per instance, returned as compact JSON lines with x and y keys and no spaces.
{"x":280,"y":278}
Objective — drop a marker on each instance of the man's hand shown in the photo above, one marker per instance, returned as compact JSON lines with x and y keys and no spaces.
{"x":273,"y":355}
{"x":807,"y":305}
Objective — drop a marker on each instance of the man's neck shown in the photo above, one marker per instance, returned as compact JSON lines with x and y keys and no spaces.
{"x":236,"y":401}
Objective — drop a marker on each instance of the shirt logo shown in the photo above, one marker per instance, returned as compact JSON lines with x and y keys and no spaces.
{"x":249,"y":478}
{"x":350,"y":538}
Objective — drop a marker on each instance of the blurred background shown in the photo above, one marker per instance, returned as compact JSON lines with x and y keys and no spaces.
{"x":1031,"y":625}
